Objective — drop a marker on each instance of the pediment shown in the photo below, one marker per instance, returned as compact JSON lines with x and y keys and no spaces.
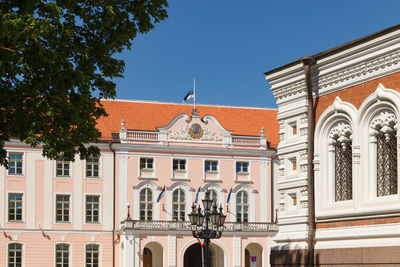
{"x":194,"y":129}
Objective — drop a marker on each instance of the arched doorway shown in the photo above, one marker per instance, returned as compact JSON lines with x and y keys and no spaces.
{"x":193,"y":256}
{"x":153,"y":255}
{"x":253,"y":250}
{"x":147,"y":258}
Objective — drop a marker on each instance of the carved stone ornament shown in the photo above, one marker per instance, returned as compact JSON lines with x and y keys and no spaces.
{"x":195,"y":131}
{"x":341,"y":132}
{"x":384,"y":121}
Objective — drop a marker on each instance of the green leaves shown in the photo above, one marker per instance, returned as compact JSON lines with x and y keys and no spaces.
{"x":54,"y":55}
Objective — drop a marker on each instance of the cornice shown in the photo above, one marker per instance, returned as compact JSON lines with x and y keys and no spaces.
{"x":346,"y":72}
{"x":194,"y":150}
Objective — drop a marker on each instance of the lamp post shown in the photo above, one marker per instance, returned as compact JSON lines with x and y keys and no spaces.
{"x":207,"y":224}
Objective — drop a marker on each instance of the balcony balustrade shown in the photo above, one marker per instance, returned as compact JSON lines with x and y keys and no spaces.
{"x":185,"y":226}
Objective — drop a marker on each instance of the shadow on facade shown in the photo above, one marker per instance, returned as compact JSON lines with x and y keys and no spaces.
{"x":292,"y":258}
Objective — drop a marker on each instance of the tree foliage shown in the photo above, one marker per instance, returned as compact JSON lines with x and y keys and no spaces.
{"x":57,"y":59}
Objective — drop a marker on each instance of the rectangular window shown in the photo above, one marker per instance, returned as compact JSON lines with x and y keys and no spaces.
{"x":15,"y":207}
{"x":294,"y":129}
{"x":16,"y":161}
{"x":92,"y":255}
{"x":62,"y":168}
{"x":92,"y":168}
{"x":242,"y":167}
{"x":211,"y":166}
{"x":146,"y":163}
{"x":92,"y":209}
{"x":62,"y":255}
{"x":62,"y":208}
{"x":179,"y":164}
{"x":15,"y":255}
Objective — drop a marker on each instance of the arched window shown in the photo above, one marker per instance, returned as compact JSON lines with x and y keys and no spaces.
{"x":214,"y":196}
{"x":14,"y":255}
{"x":386,"y":153}
{"x":146,"y":204}
{"x":178,"y":205}
{"x":242,"y":207}
{"x":342,"y":153}
{"x":62,"y":255}
{"x":92,"y":255}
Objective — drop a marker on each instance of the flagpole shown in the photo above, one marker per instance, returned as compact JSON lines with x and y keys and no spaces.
{"x":194,"y":92}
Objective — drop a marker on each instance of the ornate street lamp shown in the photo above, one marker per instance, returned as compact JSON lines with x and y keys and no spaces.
{"x":207,"y":224}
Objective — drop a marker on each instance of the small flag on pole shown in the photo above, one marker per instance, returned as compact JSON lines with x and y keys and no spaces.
{"x":189,"y":95}
{"x":197,"y":195}
{"x":161,"y":194}
{"x":229,"y":196}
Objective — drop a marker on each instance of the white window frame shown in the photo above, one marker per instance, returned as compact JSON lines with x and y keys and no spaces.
{"x":100,"y":209}
{"x":185,"y":172}
{"x":100,"y":251}
{"x":180,"y":159}
{"x":99,"y":170}
{"x":23,"y":206}
{"x":146,"y":202}
{"x":69,"y":208}
{"x":239,"y":175}
{"x":69,"y":252}
{"x":63,"y":162}
{"x":243,"y":205}
{"x":179,"y":203}
{"x":211,"y":161}
{"x":22,"y":253}
{"x":23,"y":163}
{"x":146,"y":158}
{"x":156,"y":205}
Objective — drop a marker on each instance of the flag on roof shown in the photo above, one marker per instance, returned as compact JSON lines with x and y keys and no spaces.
{"x":188,"y":96}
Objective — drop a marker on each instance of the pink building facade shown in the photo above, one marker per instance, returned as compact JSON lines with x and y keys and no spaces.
{"x":109,"y":211}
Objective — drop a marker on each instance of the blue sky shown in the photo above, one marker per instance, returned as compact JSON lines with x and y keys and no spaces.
{"x":227,"y":45}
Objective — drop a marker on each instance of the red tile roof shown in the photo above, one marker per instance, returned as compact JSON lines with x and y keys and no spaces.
{"x":146,"y":116}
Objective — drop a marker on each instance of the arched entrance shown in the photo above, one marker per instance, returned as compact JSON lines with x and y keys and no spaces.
{"x":253,"y":250}
{"x":193,"y":256}
{"x":153,"y":255}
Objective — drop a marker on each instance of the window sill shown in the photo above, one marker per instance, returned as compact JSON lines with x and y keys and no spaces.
{"x":243,"y":181}
{"x":180,"y":179}
{"x":212,"y":180}
{"x":92,"y":178}
{"x":62,"y":177}
{"x":147,"y":178}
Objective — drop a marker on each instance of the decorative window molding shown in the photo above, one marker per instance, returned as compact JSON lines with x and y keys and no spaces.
{"x":384,"y":127}
{"x":92,"y":255}
{"x":16,"y":207}
{"x":178,"y":205}
{"x":156,"y":205}
{"x":63,"y":208}
{"x":15,"y":254}
{"x":62,"y":255}
{"x":340,"y":145}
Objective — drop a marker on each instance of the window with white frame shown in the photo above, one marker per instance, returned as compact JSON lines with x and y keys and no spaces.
{"x":62,"y":168}
{"x":146,"y":204}
{"x":242,"y":167}
{"x":62,"y":255}
{"x":92,"y":255}
{"x":211,"y":166}
{"x":178,"y":205}
{"x":14,"y":255}
{"x":92,"y":209}
{"x":179,"y":165}
{"x":242,"y":206}
{"x":15,"y":204}
{"x":146,"y":163}
{"x":386,"y":148}
{"x":15,"y":163}
{"x":62,"y":208}
{"x":92,"y":167}
{"x":341,"y":147}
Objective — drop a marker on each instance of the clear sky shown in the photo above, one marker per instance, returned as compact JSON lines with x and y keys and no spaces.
{"x":227,"y":45}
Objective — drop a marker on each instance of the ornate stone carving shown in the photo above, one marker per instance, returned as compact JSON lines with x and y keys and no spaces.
{"x":383,"y":120}
{"x":185,"y":134}
{"x":341,"y":133}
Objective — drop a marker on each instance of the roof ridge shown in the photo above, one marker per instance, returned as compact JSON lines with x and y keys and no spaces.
{"x":184,"y":104}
